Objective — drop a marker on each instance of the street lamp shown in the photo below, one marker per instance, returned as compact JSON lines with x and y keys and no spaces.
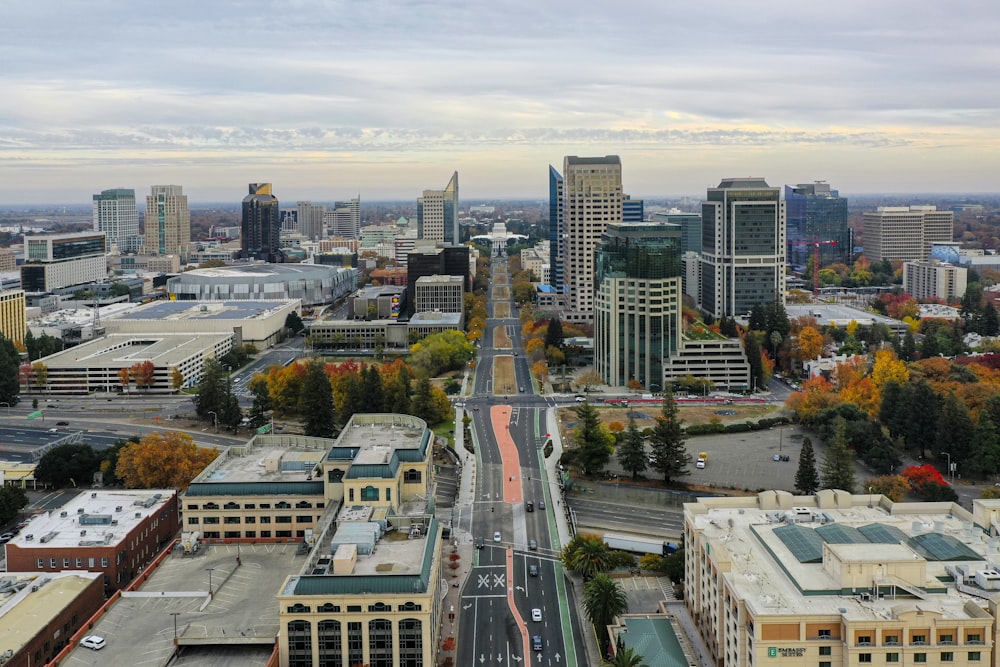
{"x":210,"y":570}
{"x":175,"y":614}
{"x":215,"y":420}
{"x":950,"y":475}
{"x":870,"y":497}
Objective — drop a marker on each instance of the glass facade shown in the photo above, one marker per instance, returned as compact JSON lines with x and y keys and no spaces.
{"x":815,"y":212}
{"x":555,"y":227}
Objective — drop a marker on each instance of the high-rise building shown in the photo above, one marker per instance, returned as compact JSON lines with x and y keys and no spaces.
{"x":637,"y":311}
{"x":934,"y":279}
{"x":690,"y":224}
{"x":905,"y":232}
{"x":742,"y":247}
{"x":592,"y":200}
{"x":633,"y":210}
{"x":115,"y":214}
{"x":437,"y":213}
{"x":555,"y":228}
{"x":444,"y":260}
{"x":260,"y":228}
{"x":345,"y":219}
{"x":815,"y":212}
{"x":310,"y":219}
{"x":168,"y":222}
{"x":13,"y":315}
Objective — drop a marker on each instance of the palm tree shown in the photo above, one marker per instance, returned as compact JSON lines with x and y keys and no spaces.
{"x":603,"y":599}
{"x":624,"y":657}
{"x":587,"y":555}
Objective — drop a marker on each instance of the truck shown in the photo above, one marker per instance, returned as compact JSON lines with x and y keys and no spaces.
{"x":639,"y":544}
{"x":191,"y":541}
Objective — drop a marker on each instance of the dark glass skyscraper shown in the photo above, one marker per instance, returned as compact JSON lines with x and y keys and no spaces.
{"x":260,"y":228}
{"x":816,"y":213}
{"x":555,"y":228}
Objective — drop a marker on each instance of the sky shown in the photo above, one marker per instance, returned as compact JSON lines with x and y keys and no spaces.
{"x":384,"y":98}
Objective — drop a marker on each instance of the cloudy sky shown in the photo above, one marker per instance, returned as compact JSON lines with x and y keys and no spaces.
{"x":328,"y":99}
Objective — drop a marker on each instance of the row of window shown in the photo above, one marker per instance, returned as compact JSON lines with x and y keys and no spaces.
{"x":67,"y":563}
{"x":330,"y":608}
{"x":381,"y":647}
{"x":302,"y":504}
{"x":918,"y":658}
{"x":214,"y":520}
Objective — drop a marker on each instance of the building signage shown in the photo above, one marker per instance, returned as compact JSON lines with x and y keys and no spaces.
{"x":773,"y":652}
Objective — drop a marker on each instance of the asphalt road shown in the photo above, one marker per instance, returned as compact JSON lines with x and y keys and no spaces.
{"x":490,"y":630}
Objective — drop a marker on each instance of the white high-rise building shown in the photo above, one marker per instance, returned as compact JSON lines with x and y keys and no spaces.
{"x":437,"y":213}
{"x":905,"y":232}
{"x":344,"y":220}
{"x":310,"y":219}
{"x":115,"y":215}
{"x":592,"y":199}
{"x":168,"y":222}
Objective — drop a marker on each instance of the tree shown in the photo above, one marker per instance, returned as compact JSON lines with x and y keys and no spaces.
{"x":372,"y":390}
{"x":294,"y":322}
{"x":809,"y":343}
{"x":109,"y":464}
{"x":838,"y":464}
{"x":954,"y":428}
{"x":592,"y":442}
{"x":589,"y":379}
{"x":143,"y":373}
{"x":261,"y":400}
{"x":631,"y":452}
{"x":41,"y":374}
{"x":162,"y":460}
{"x":124,"y":379}
{"x":806,"y":477}
{"x":624,"y":657}
{"x":211,"y":389}
{"x":316,"y":403}
{"x":68,"y":465}
{"x":985,"y":451}
{"x":554,"y":334}
{"x":887,"y":368}
{"x":893,"y":487}
{"x":422,"y":405}
{"x":586,"y":554}
{"x":176,"y":379}
{"x":12,"y":500}
{"x":922,"y":416}
{"x":668,"y":452}
{"x":908,"y":351}
{"x":603,"y":599}
{"x":893,"y":411}
{"x":752,"y":350}
{"x":9,"y":362}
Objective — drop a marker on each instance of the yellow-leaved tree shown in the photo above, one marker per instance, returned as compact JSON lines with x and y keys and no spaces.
{"x":888,"y":368}
{"x":809,"y":343}
{"x":162,"y":460}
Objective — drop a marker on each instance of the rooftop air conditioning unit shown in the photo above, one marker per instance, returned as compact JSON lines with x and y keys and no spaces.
{"x":138,"y":515}
{"x":64,"y":514}
{"x":93,"y":495}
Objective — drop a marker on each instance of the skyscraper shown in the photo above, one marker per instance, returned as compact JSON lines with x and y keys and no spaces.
{"x":260,"y":228}
{"x":633,"y":210}
{"x":437,"y":213}
{"x":906,"y":232}
{"x":637,"y":312}
{"x":345,"y":219}
{"x":115,"y":215}
{"x":816,"y":213}
{"x":168,"y":222}
{"x":592,"y":200}
{"x":310,"y":220}
{"x":743,"y":247}
{"x":555,"y":228}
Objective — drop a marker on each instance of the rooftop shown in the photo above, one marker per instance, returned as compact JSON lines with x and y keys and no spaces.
{"x":205,"y":310}
{"x":261,"y":270}
{"x":436,"y":318}
{"x":92,"y":518}
{"x":379,"y":439}
{"x":123,"y":350}
{"x":837,"y":314}
{"x":30,"y":601}
{"x":786,"y":561}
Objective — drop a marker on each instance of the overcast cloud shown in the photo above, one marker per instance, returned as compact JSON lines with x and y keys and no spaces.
{"x":386,"y":98}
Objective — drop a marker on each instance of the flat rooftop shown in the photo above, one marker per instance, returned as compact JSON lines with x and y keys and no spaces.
{"x":269,"y":463}
{"x":205,"y":310}
{"x":437,"y":318}
{"x":838,"y":314}
{"x":29,"y":601}
{"x":372,"y":439}
{"x":395,"y":553}
{"x":123,"y":350}
{"x":106,"y":516}
{"x":765,"y":551}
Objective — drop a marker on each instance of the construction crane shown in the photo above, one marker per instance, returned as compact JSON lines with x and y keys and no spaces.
{"x":815,"y":246}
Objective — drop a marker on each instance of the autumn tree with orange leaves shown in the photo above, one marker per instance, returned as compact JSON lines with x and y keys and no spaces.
{"x":162,"y":460}
{"x":143,"y":374}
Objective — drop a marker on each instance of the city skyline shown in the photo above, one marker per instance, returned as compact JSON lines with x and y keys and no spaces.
{"x":374,"y":98}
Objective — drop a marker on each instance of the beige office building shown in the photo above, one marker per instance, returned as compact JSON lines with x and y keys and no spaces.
{"x":441,"y":293}
{"x":934,"y":279}
{"x":591,"y":200}
{"x":905,"y":232}
{"x":168,"y":222}
{"x":836,"y":579}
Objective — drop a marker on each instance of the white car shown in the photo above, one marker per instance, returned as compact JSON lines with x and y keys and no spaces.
{"x":496,"y":536}
{"x":536,"y":614}
{"x":700,"y":463}
{"x":92,"y":642}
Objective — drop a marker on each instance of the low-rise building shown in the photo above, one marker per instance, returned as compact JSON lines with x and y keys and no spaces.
{"x":716,"y":358}
{"x":378,"y":303}
{"x":116,"y":533}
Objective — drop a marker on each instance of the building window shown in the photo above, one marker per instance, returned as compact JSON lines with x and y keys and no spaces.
{"x":193,"y":520}
{"x":409,"y":606}
{"x":299,"y":644}
{"x":826,"y":650}
{"x":892,"y":657}
{"x":231,"y":506}
{"x":282,"y":519}
{"x":250,"y":533}
{"x":355,"y":644}
{"x":53,"y":563}
{"x":330,"y":644}
{"x":232,"y":534}
{"x":41,"y":563}
{"x":211,"y":506}
{"x":946,"y":639}
{"x":975,"y":656}
{"x":369,"y":493}
{"x":380,"y":643}
{"x":250,"y":506}
{"x":304,"y":518}
{"x":350,"y":493}
{"x":65,"y":563}
{"x":328,"y":608}
{"x":265,"y":506}
{"x":265,"y":519}
{"x":232,"y":519}
{"x":379,"y":607}
{"x":303,"y":504}
{"x":79,"y":562}
{"x":249,"y":519}
{"x":282,"y":533}
{"x":973,"y":638}
{"x":412,"y":476}
{"x":283,"y":505}
{"x":947,"y":656}
{"x":265,"y":533}
{"x":918,"y":639}
{"x":920,"y":657}
{"x":823,"y":633}
{"x":891,"y":640}
{"x":91,"y":563}
{"x":411,"y":643}
{"x":864,"y":640}
{"x":104,"y":561}
{"x":299,"y":608}
{"x":192,"y":507}
{"x":864,"y":658}
{"x":211,"y":520}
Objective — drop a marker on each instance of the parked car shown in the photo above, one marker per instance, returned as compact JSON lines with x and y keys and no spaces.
{"x":62,"y":423}
{"x":93,"y":642}
{"x":6,"y":537}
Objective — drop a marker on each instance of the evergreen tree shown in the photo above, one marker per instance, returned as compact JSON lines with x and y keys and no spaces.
{"x":954,"y":428}
{"x":838,"y":464}
{"x":758,"y":318}
{"x":316,"y":402}
{"x":992,"y":408}
{"x":631,"y":452}
{"x":374,"y":395}
{"x":592,"y":442}
{"x":985,"y":456}
{"x":752,"y":350}
{"x":261,"y":401}
{"x":423,"y":401}
{"x":778,"y":319}
{"x":893,"y":412}
{"x":669,"y":454}
{"x":230,"y":414}
{"x":397,"y":393}
{"x":554,"y":334}
{"x":991,"y":320}
{"x":931,"y":347}
{"x":211,"y":390}
{"x":908,"y":350}
{"x":922,"y":418}
{"x":10,"y":360}
{"x":352,"y":393}
{"x":728,"y":328}
{"x":294,"y":322}
{"x":806,"y":477}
